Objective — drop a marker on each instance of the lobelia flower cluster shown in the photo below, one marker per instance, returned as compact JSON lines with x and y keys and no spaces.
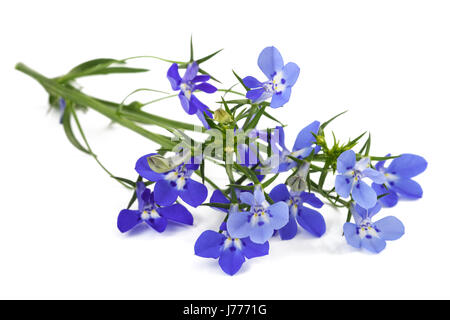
{"x":271,"y":191}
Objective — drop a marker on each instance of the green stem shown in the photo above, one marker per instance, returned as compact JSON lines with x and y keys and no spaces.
{"x":91,"y":152}
{"x":76,"y":96}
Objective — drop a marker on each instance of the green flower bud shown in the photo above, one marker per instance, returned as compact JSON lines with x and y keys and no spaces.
{"x":221,"y":116}
{"x":159,"y":164}
{"x":320,"y":140}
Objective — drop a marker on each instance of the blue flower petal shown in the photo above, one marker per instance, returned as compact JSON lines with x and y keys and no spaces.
{"x":374,"y":210}
{"x":218,"y":197}
{"x":346,"y":161}
{"x":343,"y":185}
{"x":197,"y":105}
{"x":247,"y":198}
{"x":364,"y":195}
{"x":280,"y":99}
{"x":259,"y":196}
{"x":177,"y":213}
{"x":144,"y":170}
{"x":380,"y":164}
{"x":128,"y":219}
{"x":209,"y":244}
{"x":201,"y":78}
{"x":253,"y":250}
{"x":205,"y":87}
{"x":270,"y":61}
{"x":260,"y":233}
{"x":252,"y":82}
{"x":390,"y":228}
{"x":186,"y":104}
{"x":279,"y":193}
{"x":279,"y":215}
{"x":374,"y":175}
{"x":194,"y":194}
{"x":159,"y":223}
{"x":191,"y":72}
{"x":290,"y":73}
{"x":201,"y":116}
{"x":389,"y":200}
{"x":289,"y":230}
{"x":254,"y":94}
{"x":305,"y":138}
{"x":311,"y":199}
{"x":351,"y":236}
{"x":174,"y":77}
{"x":311,"y":220}
{"x":165,"y":193}
{"x":407,"y":188}
{"x":142,"y":200}
{"x":407,"y":165}
{"x":373,"y":244}
{"x":231,"y":260}
{"x":238,"y":225}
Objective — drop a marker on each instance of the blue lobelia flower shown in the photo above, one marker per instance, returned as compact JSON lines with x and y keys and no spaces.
{"x":349,"y":181}
{"x":311,"y":220}
{"x":281,"y":79}
{"x":261,"y":220}
{"x":280,"y":161}
{"x":151,"y":213}
{"x":174,"y":183}
{"x":371,"y":235}
{"x":187,"y":85}
{"x":230,"y":251}
{"x":398,"y":179}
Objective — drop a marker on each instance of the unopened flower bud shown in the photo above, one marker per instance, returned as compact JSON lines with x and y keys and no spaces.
{"x":159,"y":164}
{"x":222,"y":116}
{"x":297,"y":182}
{"x":320,"y":140}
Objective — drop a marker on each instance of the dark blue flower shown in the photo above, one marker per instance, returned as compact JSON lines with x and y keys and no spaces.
{"x":349,"y":181}
{"x":311,"y":220}
{"x":371,"y":235}
{"x":281,"y":79}
{"x":261,"y":220}
{"x":230,"y":251}
{"x":280,"y":160}
{"x":151,"y":213}
{"x":398,"y":179}
{"x":187,"y":85}
{"x":174,"y":183}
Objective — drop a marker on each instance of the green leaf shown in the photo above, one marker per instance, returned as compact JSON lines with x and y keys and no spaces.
{"x":95,"y":63}
{"x":208,"y":56}
{"x":66,"y":122}
{"x":114,"y":70}
{"x":326,"y":123}
{"x":272,"y":118}
{"x":202,"y":171}
{"x":204,"y":72}
{"x":192,"y":51}
{"x":247,"y":172}
{"x":255,"y":120}
{"x":240,"y":80}
{"x":268,"y":182}
{"x":369,"y":140}
{"x":127,"y":181}
{"x":239,"y":186}
{"x":324,"y":172}
{"x":352,"y":143}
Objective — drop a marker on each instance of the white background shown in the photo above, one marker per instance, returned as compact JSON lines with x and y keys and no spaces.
{"x":385,"y":61}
